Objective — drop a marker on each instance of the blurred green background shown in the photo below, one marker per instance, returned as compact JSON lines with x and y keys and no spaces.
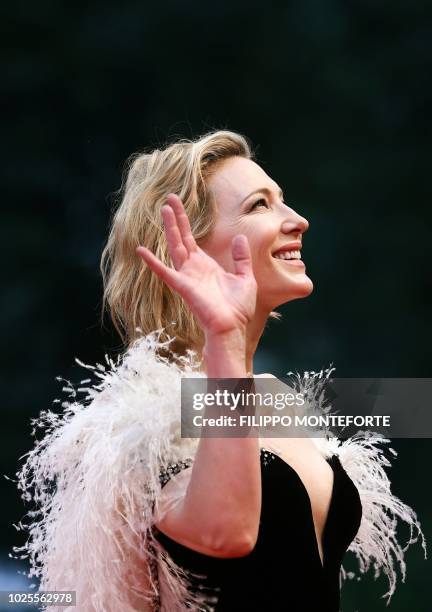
{"x":335,"y":96}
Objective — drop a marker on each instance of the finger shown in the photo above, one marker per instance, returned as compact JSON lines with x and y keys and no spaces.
{"x":176,"y":248}
{"x":241,"y":255}
{"x":167,"y":274}
{"x":183,"y":222}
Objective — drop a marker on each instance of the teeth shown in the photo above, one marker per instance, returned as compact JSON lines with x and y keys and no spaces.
{"x":288,"y":255}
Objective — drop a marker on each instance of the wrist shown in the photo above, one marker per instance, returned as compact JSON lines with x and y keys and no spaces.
{"x":233,"y":342}
{"x":225,"y":354}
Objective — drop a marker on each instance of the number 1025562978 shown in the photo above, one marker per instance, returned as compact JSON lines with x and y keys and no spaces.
{"x":48,"y":598}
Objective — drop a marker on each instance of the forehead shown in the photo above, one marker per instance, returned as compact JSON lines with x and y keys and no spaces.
{"x":235,"y":179}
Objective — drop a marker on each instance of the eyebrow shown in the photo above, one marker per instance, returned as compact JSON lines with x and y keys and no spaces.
{"x":265,"y":190}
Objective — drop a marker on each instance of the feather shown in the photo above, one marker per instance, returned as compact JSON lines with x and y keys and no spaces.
{"x":363,"y":458}
{"x":94,"y":481}
{"x":376,"y":544}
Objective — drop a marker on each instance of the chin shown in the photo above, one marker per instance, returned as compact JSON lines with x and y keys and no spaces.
{"x":296,"y":291}
{"x":305,"y":288}
{"x":300,"y":288}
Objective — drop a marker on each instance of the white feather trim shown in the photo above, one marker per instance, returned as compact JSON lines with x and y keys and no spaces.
{"x":375,"y":544}
{"x":376,"y":541}
{"x":94,"y":478}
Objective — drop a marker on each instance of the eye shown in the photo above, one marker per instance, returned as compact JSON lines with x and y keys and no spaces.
{"x":260,"y":201}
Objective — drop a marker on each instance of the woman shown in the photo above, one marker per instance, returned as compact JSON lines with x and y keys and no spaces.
{"x":141,"y":519}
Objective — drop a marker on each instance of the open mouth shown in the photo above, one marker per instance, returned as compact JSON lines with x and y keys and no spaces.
{"x":290,"y":258}
{"x":288,"y":255}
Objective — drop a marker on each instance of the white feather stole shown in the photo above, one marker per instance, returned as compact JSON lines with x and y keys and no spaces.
{"x":93,"y":479}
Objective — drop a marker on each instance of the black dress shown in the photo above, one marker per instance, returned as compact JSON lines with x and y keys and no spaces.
{"x":284,"y":570}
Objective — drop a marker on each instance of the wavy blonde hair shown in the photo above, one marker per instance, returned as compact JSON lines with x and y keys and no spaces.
{"x":134,"y":295}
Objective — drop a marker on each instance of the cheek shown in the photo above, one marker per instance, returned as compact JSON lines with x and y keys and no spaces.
{"x":261,"y":247}
{"x":261,"y":239}
{"x":261,"y":233}
{"x":263,"y":267}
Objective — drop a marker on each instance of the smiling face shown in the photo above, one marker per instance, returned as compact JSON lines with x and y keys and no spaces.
{"x":249,"y":202}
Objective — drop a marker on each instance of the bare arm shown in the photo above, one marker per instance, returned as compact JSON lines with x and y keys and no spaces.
{"x":220,"y":509}
{"x":219,"y":514}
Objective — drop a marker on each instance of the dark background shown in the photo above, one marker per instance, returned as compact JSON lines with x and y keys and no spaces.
{"x":335,"y":95}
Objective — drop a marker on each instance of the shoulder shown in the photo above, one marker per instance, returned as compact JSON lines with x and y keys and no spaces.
{"x":265,"y":375}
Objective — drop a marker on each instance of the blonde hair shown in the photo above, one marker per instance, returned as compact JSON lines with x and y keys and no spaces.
{"x":133,"y":294}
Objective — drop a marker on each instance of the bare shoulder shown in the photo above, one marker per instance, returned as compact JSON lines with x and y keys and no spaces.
{"x":265,"y":375}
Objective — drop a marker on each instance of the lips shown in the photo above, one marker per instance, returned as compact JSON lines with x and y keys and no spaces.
{"x":291,"y":262}
{"x":290,"y":254}
{"x":292,"y":246}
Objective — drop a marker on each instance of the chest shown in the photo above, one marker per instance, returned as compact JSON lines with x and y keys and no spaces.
{"x":314,"y":474}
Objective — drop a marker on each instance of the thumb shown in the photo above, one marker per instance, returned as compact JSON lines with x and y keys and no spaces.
{"x":241,"y":255}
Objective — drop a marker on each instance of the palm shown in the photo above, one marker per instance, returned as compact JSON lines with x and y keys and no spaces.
{"x":220,"y":300}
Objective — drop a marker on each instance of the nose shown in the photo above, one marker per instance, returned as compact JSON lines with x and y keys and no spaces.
{"x":295,"y":223}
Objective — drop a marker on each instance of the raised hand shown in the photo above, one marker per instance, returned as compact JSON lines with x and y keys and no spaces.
{"x":222,"y":301}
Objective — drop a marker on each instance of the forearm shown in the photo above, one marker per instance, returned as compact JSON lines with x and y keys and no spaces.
{"x":223,"y":499}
